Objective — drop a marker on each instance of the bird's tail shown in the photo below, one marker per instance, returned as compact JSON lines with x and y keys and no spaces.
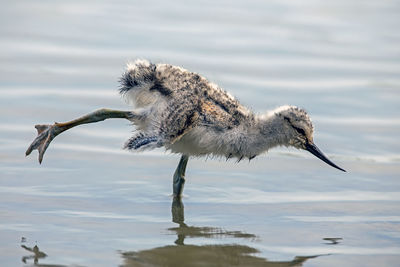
{"x":136,"y":82}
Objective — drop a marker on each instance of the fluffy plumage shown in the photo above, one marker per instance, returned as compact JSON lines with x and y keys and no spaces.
{"x":187,"y":114}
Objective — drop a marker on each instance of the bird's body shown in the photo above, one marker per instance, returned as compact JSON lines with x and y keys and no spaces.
{"x":185,"y":113}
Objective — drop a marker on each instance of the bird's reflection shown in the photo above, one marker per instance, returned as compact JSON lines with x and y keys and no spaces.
{"x":184,"y":230}
{"x":332,"y":240}
{"x":182,"y":254}
{"x":37,"y":254}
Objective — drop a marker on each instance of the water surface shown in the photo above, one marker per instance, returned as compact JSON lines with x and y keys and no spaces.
{"x":92,"y":204}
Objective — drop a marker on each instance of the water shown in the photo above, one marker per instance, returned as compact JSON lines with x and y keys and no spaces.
{"x":92,"y":204}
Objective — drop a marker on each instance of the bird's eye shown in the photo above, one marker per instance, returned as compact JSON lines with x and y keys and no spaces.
{"x":299,"y":130}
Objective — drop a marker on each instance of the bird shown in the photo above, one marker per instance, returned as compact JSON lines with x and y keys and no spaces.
{"x":187,"y":114}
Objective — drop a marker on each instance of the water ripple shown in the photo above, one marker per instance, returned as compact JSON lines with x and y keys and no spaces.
{"x":106,"y":215}
{"x":255,"y":196}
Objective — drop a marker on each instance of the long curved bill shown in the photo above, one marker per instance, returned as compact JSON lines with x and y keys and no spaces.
{"x":313,"y":149}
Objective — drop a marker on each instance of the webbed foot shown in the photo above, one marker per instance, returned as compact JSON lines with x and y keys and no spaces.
{"x":46,"y":134}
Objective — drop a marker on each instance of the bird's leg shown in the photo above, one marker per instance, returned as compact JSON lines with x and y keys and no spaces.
{"x":46,"y":133}
{"x":179,"y":176}
{"x":178,"y":210}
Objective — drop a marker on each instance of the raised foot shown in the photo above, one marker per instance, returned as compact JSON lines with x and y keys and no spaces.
{"x":46,"y":134}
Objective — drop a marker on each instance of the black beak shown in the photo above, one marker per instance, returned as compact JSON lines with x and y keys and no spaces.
{"x":313,"y":149}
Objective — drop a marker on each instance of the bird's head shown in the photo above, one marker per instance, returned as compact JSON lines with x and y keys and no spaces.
{"x":299,"y":128}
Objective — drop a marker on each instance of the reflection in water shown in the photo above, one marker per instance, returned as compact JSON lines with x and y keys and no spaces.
{"x":207,"y":255}
{"x":184,"y":230}
{"x":333,"y":240}
{"x":202,"y":255}
{"x":37,"y":254}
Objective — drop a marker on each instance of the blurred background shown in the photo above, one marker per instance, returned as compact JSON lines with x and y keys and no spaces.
{"x":92,"y":204}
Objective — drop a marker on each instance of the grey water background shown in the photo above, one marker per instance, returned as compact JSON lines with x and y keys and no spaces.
{"x":92,"y":204}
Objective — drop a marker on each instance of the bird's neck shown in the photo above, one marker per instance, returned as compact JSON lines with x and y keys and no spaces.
{"x":257,"y":135}
{"x":272,"y":132}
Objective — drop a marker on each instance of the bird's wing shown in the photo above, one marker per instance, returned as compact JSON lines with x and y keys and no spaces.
{"x":178,"y":122}
{"x":191,"y":99}
{"x":213,"y":115}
